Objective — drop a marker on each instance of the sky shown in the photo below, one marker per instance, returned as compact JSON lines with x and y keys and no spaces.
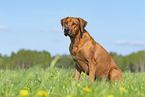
{"x":118,"y":25}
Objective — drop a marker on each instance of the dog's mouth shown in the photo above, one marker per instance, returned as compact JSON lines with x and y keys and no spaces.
{"x":68,"y":34}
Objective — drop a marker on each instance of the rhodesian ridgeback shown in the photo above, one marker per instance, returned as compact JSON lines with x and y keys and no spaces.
{"x":89,"y":56}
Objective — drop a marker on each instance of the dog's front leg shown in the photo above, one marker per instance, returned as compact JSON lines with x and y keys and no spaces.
{"x":77,"y":73}
{"x":91,"y":72}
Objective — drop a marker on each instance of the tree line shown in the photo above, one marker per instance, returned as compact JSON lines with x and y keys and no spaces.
{"x":25,"y":59}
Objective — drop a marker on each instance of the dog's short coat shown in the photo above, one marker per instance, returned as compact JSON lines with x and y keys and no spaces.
{"x":89,"y":56}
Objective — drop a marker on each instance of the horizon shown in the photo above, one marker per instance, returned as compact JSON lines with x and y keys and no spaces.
{"x":119,"y":26}
{"x":62,"y":54}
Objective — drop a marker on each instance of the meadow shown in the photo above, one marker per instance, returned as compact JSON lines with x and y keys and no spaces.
{"x":39,"y":82}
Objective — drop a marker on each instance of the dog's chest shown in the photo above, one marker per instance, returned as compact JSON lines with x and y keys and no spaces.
{"x":73,"y":50}
{"x":81,"y":61}
{"x":78,"y":54}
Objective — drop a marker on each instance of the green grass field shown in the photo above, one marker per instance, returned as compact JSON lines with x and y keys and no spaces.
{"x":60,"y":83}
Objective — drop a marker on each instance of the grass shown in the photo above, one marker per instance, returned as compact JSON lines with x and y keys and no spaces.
{"x":60,"y":83}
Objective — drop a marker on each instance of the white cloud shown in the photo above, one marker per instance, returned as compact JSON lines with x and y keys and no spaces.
{"x":56,"y":30}
{"x":3,"y":27}
{"x":128,"y":42}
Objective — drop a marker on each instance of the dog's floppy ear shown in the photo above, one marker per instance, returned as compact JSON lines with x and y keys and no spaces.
{"x":83,"y":24}
{"x":62,"y":21}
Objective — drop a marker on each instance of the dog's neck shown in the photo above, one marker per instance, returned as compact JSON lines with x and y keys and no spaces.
{"x":81,"y":36}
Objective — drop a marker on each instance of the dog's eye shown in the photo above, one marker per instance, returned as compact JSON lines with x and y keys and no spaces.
{"x":74,"y":24}
{"x":66,"y":23}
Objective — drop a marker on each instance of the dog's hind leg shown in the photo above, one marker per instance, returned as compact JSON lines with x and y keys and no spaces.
{"x":116,"y":75}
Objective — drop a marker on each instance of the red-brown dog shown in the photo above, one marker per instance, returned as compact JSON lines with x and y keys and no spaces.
{"x":89,"y":56}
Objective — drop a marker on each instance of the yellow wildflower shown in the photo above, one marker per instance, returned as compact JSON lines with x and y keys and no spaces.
{"x":86,"y":89}
{"x":83,"y":73}
{"x":54,"y":78}
{"x":51,"y":73}
{"x":42,"y":93}
{"x":110,"y":96}
{"x":141,"y":94}
{"x":69,"y":95}
{"x":26,"y":88}
{"x":24,"y":92}
{"x":123,"y":89}
{"x":71,"y":78}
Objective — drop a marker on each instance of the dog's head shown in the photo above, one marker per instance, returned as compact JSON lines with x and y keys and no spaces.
{"x":72,"y":26}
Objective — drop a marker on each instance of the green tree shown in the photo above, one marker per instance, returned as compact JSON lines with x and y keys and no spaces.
{"x":26,"y":59}
{"x":65,"y":61}
{"x":117,"y":59}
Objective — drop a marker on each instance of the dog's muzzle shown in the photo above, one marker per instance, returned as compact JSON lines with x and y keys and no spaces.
{"x":66,"y":31}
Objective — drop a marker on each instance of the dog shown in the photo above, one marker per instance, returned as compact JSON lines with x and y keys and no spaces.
{"x":90,"y":57}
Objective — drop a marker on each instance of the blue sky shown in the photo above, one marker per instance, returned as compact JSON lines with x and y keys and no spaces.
{"x":118,"y":25}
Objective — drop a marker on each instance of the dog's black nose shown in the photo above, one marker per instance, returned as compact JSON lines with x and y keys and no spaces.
{"x":66,"y":29}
